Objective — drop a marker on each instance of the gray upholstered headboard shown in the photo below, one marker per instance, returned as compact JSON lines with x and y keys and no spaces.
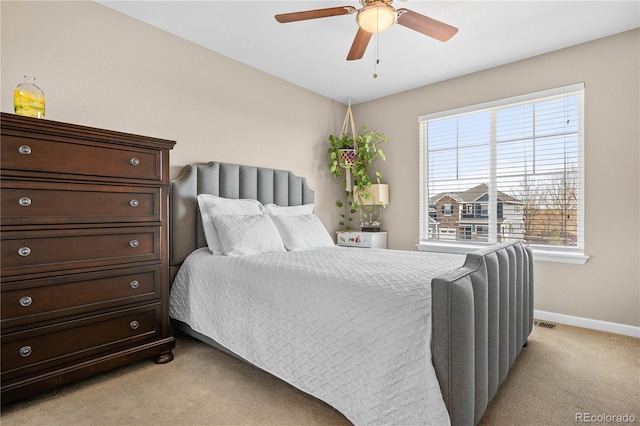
{"x":280,"y":187}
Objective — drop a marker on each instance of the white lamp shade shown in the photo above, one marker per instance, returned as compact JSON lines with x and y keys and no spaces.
{"x":376,"y":18}
{"x":378,"y":195}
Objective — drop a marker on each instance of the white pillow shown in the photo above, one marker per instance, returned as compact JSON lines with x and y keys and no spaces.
{"x":275,"y":210}
{"x":302,"y":232}
{"x":241,"y":235}
{"x":211,"y":206}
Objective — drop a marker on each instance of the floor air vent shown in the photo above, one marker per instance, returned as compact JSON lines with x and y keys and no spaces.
{"x":543,"y":324}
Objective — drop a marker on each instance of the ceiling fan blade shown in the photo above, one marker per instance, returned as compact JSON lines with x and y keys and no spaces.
{"x":425,"y":25}
{"x":359,"y":45}
{"x":313,"y":14}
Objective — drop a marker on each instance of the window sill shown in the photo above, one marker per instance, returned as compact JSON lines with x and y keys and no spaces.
{"x":539,"y":254}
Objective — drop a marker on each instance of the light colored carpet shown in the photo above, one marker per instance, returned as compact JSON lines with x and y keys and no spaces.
{"x":560,"y":373}
{"x":568,"y":371}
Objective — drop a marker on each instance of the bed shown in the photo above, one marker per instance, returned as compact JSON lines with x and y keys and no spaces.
{"x":403,"y":338}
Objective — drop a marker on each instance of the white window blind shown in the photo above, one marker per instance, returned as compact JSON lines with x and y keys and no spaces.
{"x":504,"y":170}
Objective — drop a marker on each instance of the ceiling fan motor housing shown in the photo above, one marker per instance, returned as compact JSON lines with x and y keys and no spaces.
{"x":376,"y":15}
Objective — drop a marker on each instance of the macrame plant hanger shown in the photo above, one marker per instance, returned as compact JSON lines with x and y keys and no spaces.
{"x":348,"y":156}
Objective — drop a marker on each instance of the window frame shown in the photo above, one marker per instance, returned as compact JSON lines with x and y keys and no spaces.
{"x":564,"y":254}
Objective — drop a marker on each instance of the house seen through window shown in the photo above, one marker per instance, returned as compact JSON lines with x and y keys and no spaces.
{"x":510,"y":169}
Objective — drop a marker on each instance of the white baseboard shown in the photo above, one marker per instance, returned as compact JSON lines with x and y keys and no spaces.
{"x":611,"y":327}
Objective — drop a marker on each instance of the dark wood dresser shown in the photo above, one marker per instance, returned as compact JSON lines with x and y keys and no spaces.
{"x":84,"y":244}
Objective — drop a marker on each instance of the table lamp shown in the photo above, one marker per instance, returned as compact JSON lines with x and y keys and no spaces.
{"x":371,"y":206}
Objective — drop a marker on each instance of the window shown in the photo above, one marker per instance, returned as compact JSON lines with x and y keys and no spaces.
{"x":517,"y":161}
{"x":466,"y":232}
{"x":447,"y":210}
{"x":484,"y":209}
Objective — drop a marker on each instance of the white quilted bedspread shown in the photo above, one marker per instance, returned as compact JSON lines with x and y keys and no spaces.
{"x":350,"y":326}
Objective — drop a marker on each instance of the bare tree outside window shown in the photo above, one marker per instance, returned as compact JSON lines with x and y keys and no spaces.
{"x":562,"y":206}
{"x":550,"y":209}
{"x":531,"y":196}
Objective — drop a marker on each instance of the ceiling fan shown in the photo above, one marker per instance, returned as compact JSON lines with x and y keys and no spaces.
{"x":373,"y":17}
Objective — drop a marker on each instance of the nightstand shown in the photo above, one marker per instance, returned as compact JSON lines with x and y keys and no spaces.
{"x":362,"y":239}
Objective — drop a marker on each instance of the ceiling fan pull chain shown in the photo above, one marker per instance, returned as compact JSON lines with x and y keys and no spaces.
{"x":375,"y":65}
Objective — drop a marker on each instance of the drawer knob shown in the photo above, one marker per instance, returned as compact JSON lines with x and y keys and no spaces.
{"x":134,"y":161}
{"x":25,"y":351}
{"x":24,"y":201}
{"x":25,"y":301}
{"x":133,"y":243}
{"x":24,"y":150}
{"x":134,"y":284}
{"x":133,"y":203}
{"x":24,"y":251}
{"x":134,"y":325}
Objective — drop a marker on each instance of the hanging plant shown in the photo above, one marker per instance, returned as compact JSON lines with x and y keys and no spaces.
{"x":355,"y":164}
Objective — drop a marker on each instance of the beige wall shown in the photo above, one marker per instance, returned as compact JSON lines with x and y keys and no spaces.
{"x":100,"y":68}
{"x":607,"y":287}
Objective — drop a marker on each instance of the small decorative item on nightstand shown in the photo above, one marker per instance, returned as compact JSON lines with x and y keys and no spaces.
{"x":362,"y":239}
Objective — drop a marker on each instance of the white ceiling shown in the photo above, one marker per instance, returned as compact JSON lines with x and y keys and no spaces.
{"x":312,"y":53}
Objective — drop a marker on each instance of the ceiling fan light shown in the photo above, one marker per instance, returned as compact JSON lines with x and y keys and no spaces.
{"x":376,"y":17}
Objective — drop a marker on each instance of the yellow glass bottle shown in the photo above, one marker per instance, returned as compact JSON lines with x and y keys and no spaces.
{"x":28,"y":99}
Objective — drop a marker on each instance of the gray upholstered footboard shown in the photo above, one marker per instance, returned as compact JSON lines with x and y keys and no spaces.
{"x":482,"y":316}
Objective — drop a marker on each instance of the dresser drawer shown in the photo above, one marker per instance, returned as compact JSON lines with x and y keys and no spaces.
{"x":26,"y":252}
{"x":28,"y":301}
{"x":51,"y":203}
{"x":79,"y":159}
{"x":43,"y":347}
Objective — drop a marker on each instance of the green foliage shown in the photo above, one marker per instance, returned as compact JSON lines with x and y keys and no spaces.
{"x":367,"y":145}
